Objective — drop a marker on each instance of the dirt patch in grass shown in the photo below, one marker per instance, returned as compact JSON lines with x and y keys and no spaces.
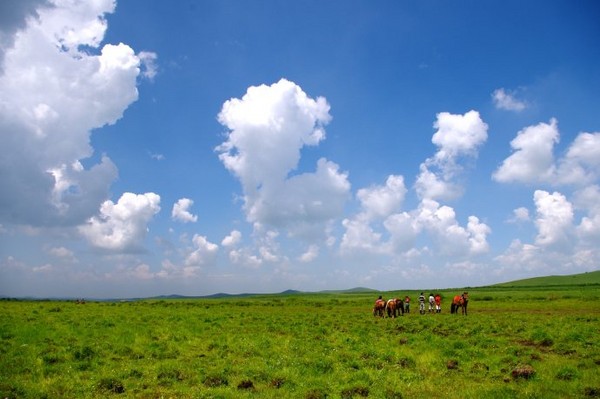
{"x":246,"y":384}
{"x":524,"y":371}
{"x":111,"y":385}
{"x":452,"y":364}
{"x":213,"y":381}
{"x":592,"y":392}
{"x":350,"y":393}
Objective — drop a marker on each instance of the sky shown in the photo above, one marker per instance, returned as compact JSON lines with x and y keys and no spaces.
{"x":198,"y":147}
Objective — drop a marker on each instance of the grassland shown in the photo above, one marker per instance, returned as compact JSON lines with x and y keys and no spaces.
{"x":581,"y":279}
{"x":515,"y":343}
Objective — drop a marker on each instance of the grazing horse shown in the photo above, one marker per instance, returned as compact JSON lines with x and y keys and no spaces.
{"x":460,"y":301}
{"x":393,"y":307}
{"x":379,"y":307}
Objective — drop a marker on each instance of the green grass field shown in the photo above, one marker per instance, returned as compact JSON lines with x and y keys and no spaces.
{"x":515,"y":343}
{"x":590,"y":278}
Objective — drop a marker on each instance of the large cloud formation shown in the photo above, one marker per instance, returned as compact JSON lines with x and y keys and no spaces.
{"x":268,"y":127}
{"x":57,"y":84}
{"x":381,"y":228}
{"x":458,"y":136}
{"x":566,"y":221}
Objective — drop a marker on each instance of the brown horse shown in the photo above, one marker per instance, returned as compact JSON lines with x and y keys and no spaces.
{"x":460,"y":301}
{"x":379,"y":307}
{"x":393,"y":307}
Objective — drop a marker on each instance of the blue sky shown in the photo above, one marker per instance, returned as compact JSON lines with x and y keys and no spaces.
{"x":237,"y":146}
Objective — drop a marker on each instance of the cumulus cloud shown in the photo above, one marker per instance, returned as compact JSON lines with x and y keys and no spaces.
{"x":181,"y":211}
{"x":532,"y":160}
{"x":382,"y":201}
{"x":554,"y":218}
{"x":520,"y":214}
{"x":203,"y":254}
{"x":360,"y":236}
{"x":232,"y":239}
{"x":581,"y":164}
{"x":57,"y":84}
{"x":122,"y":227}
{"x":268,"y":127}
{"x":451,"y":238}
{"x":311,"y":254}
{"x":507,"y":101}
{"x":588,"y":201}
{"x":430,"y":220}
{"x":458,"y":136}
{"x":13,"y":17}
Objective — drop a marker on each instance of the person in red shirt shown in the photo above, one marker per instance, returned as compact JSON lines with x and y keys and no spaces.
{"x":438,"y":303}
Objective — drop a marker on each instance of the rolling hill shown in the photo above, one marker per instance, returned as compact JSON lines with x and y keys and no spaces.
{"x":589,"y":278}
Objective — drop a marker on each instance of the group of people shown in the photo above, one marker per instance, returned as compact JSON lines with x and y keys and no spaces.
{"x":435,"y":303}
{"x":403,"y":305}
{"x":395,"y":305}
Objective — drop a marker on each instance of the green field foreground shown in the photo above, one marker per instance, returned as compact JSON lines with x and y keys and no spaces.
{"x":531,"y":342}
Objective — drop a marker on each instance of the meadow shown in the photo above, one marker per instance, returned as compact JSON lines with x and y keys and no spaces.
{"x":516,"y":342}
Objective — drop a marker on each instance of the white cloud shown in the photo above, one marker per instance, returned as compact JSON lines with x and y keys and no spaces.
{"x":382,"y":201}
{"x":63,"y":254}
{"x":359,"y":236}
{"x":532,"y":160}
{"x":588,"y":201}
{"x":581,"y":164}
{"x":203,"y":254}
{"x":451,"y":238}
{"x":122,"y":227}
{"x":430,"y":185}
{"x":57,"y":85}
{"x":181,"y":211}
{"x":268,"y":127}
{"x":148,"y":63}
{"x":520,"y":214}
{"x":457,"y":136}
{"x":507,"y":101}
{"x":232,"y":239}
{"x":554,"y":218}
{"x":13,"y":18}
{"x":142,"y":272}
{"x":404,"y":230}
{"x":311,"y":254}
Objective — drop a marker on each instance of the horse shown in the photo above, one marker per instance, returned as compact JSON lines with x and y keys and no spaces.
{"x":393,"y":307}
{"x":379,"y":307}
{"x":460,"y":301}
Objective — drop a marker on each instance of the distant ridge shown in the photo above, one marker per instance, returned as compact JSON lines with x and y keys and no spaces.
{"x":588,"y":278}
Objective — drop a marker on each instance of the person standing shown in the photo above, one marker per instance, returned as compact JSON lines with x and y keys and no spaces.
{"x":438,"y":303}
{"x":431,"y":303}
{"x":422,"y":303}
{"x":407,"y":304}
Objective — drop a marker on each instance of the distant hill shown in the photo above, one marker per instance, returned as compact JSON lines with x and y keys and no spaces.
{"x":589,"y":278}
